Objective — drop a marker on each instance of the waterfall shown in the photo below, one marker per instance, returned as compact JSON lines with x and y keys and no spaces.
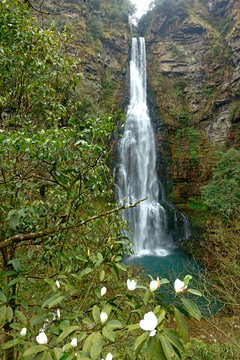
{"x":136,"y":171}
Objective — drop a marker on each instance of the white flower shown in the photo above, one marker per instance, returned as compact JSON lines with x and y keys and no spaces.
{"x":103,"y":291}
{"x":58,"y":314}
{"x":179,"y":286}
{"x":103,"y":317}
{"x":108,"y":357}
{"x":154,"y":284}
{"x":57,"y":283}
{"x":131,"y":284}
{"x":74,"y":342}
{"x":42,"y":338}
{"x":149,"y":323}
{"x":23,"y":332}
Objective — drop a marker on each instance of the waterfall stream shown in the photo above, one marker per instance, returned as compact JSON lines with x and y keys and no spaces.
{"x":136,"y":171}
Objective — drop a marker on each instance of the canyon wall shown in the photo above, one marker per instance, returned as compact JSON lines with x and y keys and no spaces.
{"x":193,"y":57}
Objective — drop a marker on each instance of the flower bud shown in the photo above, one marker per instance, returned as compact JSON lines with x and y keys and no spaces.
{"x":23,"y":332}
{"x":74,"y":342}
{"x":103,"y":317}
{"x":103,"y":291}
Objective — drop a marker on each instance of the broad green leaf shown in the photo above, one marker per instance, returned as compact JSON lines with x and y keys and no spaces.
{"x":21,"y":316}
{"x":13,"y":282}
{"x":114,"y":324}
{"x":96,"y":347}
{"x":181,"y":324}
{"x":3,"y":313}
{"x":150,"y":347}
{"x":85,"y":272}
{"x":187,"y":279}
{"x":159,"y":354}
{"x":12,"y":343}
{"x":34,"y":350}
{"x":121,"y":266}
{"x":2,"y":297}
{"x":192,"y":308}
{"x":108,"y":333}
{"x":9,"y":314}
{"x":67,"y":332}
{"x":36,"y":320}
{"x":164,"y":281}
{"x":140,"y":342}
{"x":102,"y":275}
{"x":16,"y":265}
{"x":146,"y":296}
{"x":133,"y":327}
{"x":161,"y":316}
{"x":167,"y":347}
{"x":195,"y":292}
{"x":174,"y":340}
{"x":57,"y":352}
{"x":96,"y":314}
{"x":53,"y":300}
{"x":88,"y":343}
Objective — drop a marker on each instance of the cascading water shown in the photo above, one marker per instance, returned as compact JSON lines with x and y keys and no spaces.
{"x":136,"y":173}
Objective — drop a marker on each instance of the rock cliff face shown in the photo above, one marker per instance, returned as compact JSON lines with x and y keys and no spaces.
{"x":193,"y":49}
{"x":101,"y":40}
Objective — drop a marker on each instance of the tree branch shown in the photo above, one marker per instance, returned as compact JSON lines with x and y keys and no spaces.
{"x":46,"y":232}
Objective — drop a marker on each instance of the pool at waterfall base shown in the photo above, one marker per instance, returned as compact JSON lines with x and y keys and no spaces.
{"x":178,"y":264}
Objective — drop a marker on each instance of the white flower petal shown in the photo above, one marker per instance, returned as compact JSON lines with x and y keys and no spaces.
{"x":152,"y":333}
{"x":153,"y":285}
{"x":23,"y":332}
{"x":103,"y":317}
{"x":131,"y":284}
{"x":103,"y":291}
{"x":109,"y":356}
{"x":179,"y":285}
{"x":74,"y":342}
{"x":57,"y":283}
{"x":42,"y":338}
{"x":149,"y":322}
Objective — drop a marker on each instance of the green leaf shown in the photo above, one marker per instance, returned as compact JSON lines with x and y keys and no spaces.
{"x":101,"y":275}
{"x":88,"y":343}
{"x":2,"y":297}
{"x":187,"y":279}
{"x":96,"y":314}
{"x":146,"y":296}
{"x":161,"y":316}
{"x":96,"y":347}
{"x":21,"y":316}
{"x":167,"y":347}
{"x":53,"y":300}
{"x":12,"y":343}
{"x":57,"y":352}
{"x":164,"y":281}
{"x":150,"y":347}
{"x":85,"y":272}
{"x":174,"y":340}
{"x":3,"y":313}
{"x":9,"y":314}
{"x":108,"y":333}
{"x":140,"y":342}
{"x":181,"y":324}
{"x":133,"y":327}
{"x":159,"y":354}
{"x":35,"y":350}
{"x":195,"y":292}
{"x":67,"y":332}
{"x":121,"y":266}
{"x":36,"y":320}
{"x":114,"y":324}
{"x":192,"y":308}
{"x":16,"y":265}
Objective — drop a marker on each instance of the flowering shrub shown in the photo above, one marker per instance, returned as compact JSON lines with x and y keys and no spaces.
{"x":99,"y":327}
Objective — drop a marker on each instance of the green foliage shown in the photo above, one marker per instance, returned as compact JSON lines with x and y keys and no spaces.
{"x":222,"y":192}
{"x":198,"y":350}
{"x":37,"y":79}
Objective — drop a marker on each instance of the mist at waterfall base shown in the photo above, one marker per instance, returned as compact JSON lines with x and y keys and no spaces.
{"x":156,"y":225}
